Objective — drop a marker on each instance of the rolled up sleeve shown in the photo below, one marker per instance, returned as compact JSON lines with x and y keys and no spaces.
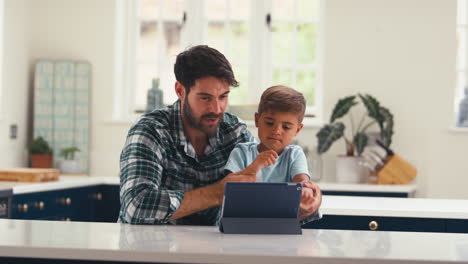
{"x":143,"y":198}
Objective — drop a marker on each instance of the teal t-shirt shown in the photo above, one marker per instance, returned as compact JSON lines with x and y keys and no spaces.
{"x":290,"y":163}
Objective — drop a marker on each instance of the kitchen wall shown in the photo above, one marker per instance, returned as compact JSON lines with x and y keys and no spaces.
{"x":401,"y":51}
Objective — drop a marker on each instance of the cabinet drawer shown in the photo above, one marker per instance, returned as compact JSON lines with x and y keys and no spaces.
{"x":457,"y":225}
{"x":378,"y":223}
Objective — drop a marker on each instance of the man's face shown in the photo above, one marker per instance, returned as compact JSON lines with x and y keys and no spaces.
{"x":204,"y":106}
{"x":276,"y":130}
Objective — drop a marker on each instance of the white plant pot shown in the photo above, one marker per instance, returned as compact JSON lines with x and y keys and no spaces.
{"x":70,"y":166}
{"x":348,"y":170}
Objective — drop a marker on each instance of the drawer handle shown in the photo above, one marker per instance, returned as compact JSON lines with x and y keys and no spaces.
{"x":373,"y":225}
{"x":39,"y":205}
{"x":65,"y":201}
{"x":96,"y":196}
{"x":23,"y":208}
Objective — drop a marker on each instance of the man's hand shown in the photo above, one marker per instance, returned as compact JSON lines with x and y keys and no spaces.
{"x":264,"y":159}
{"x":218,"y":192}
{"x":311,"y":199}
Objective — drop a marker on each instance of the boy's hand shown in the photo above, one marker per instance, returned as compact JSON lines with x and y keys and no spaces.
{"x":264,"y":159}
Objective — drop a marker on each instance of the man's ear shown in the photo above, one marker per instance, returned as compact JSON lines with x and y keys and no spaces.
{"x":299,"y":128}
{"x":257,"y":117}
{"x":180,"y":90}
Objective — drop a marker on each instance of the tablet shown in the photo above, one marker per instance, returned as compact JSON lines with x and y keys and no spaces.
{"x":261,"y":208}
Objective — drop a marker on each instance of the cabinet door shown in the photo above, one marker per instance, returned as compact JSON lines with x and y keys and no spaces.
{"x":378,"y":223}
{"x":457,"y":225}
{"x":107,"y":205}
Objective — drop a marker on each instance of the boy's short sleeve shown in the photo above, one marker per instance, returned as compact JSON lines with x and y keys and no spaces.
{"x":236,"y":161}
{"x":298,"y":163}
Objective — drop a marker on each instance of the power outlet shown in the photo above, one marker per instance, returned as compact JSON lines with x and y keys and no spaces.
{"x":13,"y":131}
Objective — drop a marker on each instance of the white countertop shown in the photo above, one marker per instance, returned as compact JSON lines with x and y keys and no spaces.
{"x":190,"y":244}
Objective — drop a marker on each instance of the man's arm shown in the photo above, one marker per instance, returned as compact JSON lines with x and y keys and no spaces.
{"x":209,"y":196}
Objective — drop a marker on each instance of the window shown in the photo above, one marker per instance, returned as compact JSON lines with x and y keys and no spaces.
{"x":268,"y":42}
{"x":462,"y":55}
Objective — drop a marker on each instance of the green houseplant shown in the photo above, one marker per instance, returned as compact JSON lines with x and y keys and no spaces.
{"x":69,"y":164}
{"x":41,"y":153}
{"x":355,"y":144}
{"x":348,"y":168}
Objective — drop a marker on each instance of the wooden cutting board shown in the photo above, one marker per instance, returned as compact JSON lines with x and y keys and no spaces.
{"x":29,"y":175}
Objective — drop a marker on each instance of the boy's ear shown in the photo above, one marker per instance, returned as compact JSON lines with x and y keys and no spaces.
{"x":180,"y":90}
{"x":299,"y":128}
{"x":257,"y":117}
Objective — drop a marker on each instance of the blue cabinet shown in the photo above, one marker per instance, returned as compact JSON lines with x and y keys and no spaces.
{"x":379,"y":223}
{"x":367,"y":193}
{"x":94,"y":203}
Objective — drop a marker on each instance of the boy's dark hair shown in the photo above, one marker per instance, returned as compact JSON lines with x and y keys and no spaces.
{"x":283,"y":99}
{"x":202,"y":61}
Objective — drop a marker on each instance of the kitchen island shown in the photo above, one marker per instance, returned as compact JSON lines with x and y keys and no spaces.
{"x":31,"y":241}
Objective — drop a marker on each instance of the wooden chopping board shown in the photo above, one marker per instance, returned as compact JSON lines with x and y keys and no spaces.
{"x":29,"y":175}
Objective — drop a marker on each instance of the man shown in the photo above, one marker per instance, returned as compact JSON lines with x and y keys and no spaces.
{"x":171,"y":167}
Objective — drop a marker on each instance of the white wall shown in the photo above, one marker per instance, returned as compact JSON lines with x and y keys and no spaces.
{"x":400,"y":51}
{"x":14,"y":100}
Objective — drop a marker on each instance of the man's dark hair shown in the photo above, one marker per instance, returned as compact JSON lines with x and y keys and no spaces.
{"x":202,"y":61}
{"x":281,"y":98}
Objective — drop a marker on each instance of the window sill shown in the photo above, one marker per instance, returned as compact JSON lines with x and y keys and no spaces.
{"x":455,"y":129}
{"x":308,"y":123}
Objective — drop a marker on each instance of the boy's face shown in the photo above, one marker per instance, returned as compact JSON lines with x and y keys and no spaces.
{"x":276,"y":130}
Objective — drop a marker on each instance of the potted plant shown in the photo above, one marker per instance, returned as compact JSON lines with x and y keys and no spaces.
{"x":41,"y":153}
{"x":69,"y":164}
{"x":357,"y":138}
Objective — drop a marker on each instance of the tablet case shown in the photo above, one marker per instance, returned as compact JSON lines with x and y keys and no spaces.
{"x":261,"y":208}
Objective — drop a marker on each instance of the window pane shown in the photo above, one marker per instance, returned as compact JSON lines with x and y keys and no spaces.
{"x":306,"y":83}
{"x":461,"y":49}
{"x":172,"y":38}
{"x":147,"y":44}
{"x":149,"y":8}
{"x":173,"y":9}
{"x":283,"y":9}
{"x":306,"y":43}
{"x":144,"y":76}
{"x":239,"y":9}
{"x":215,"y":36}
{"x":215,"y":9}
{"x":239,"y":42}
{"x":282,"y":43}
{"x":307,"y":9}
{"x":282,"y":77}
{"x":461,"y":12}
{"x":239,"y":95}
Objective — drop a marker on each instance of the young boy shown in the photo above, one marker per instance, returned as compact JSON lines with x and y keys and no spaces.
{"x":279,"y":120}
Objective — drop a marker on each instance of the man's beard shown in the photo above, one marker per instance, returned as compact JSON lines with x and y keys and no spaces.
{"x":209,"y":130}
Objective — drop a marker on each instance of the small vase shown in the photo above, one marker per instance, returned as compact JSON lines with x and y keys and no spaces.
{"x":348,"y":170}
{"x":70,"y":166}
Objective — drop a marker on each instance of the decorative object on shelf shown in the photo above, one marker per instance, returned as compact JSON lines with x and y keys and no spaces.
{"x":348,"y":168}
{"x":61,"y":105}
{"x":462,"y":120}
{"x":41,"y":153}
{"x":154,"y":99}
{"x":29,"y":174}
{"x":69,"y":164}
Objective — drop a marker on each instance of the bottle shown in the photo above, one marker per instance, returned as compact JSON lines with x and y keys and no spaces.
{"x":154,"y":99}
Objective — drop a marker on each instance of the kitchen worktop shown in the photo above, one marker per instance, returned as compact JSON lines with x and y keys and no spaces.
{"x":196,"y":244}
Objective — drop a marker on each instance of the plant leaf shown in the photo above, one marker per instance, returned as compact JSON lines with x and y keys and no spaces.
{"x":360,"y":141}
{"x":342,"y":107}
{"x":329,"y":134}
{"x":373,"y":108}
{"x":386,"y":130}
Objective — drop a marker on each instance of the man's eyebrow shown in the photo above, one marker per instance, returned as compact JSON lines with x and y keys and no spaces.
{"x":204,"y":94}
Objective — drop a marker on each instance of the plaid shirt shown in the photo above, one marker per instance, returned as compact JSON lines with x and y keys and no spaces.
{"x":158,"y":164}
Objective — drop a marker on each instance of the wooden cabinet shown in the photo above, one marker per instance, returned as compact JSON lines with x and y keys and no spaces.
{"x":378,"y":223}
{"x":96,"y":203}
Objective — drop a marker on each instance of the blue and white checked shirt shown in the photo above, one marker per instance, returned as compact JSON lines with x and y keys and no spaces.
{"x":158,"y":164}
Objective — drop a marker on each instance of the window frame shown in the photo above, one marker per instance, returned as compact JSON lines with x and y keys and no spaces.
{"x":194,"y":32}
